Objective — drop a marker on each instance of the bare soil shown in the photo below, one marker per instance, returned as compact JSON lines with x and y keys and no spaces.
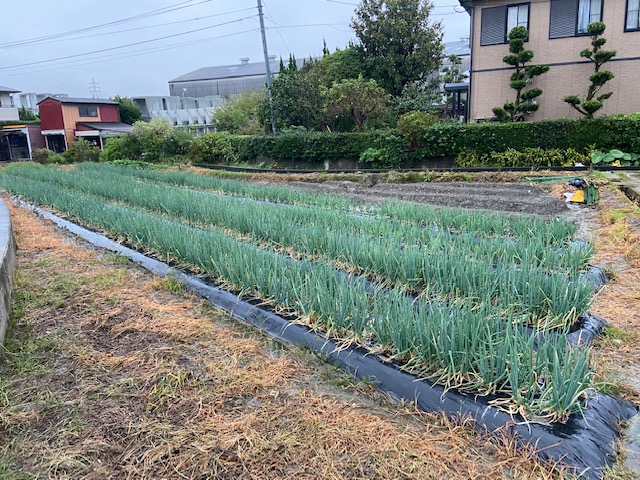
{"x":111,"y":373}
{"x":500,"y":196}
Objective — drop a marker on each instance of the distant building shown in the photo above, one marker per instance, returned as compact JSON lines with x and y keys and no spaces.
{"x":29,"y":101}
{"x":225,"y":80}
{"x":461,"y":49}
{"x":64,"y":120}
{"x":8,"y":110}
{"x":180,"y":111}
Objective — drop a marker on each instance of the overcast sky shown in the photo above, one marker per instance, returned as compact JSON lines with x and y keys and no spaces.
{"x":227,"y":30}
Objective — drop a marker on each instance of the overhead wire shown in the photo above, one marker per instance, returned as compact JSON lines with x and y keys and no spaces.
{"x":152,"y":13}
{"x":270,"y":18}
{"x":135,"y":53}
{"x":146,"y":27}
{"x":125,"y":45}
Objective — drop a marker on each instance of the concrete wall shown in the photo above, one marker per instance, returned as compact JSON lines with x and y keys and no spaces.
{"x":7,"y":268}
{"x":569,"y":75}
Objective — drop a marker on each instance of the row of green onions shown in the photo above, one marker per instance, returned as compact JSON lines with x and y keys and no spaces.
{"x":459,"y":343}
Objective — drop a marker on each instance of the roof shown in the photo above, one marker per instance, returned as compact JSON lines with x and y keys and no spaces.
{"x":110,"y":126}
{"x":75,"y":100}
{"x":232,"y":71}
{"x":8,"y":90}
{"x":460,"y":48}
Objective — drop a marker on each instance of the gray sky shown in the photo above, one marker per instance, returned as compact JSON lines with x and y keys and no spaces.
{"x":229,"y":29}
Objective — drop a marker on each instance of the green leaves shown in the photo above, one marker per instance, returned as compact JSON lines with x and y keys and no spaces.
{"x":615,"y":156}
{"x":398,"y":41}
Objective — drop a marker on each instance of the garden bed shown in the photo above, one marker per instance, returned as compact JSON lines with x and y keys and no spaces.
{"x":478,"y":277}
{"x":584,"y":444}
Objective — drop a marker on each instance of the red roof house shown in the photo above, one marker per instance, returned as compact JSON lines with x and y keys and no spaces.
{"x":64,"y":120}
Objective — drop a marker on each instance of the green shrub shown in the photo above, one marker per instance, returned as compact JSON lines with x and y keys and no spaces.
{"x":81,"y":151}
{"x":213,"y":148}
{"x":380,"y":158}
{"x":46,"y":156}
{"x":412,"y":125}
{"x":528,"y":157}
{"x":156,"y":141}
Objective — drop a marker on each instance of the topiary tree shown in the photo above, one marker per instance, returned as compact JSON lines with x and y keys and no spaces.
{"x":592,"y":103}
{"x":524,"y":74}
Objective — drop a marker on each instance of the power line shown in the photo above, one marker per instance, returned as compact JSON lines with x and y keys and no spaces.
{"x":123,"y":55}
{"x":135,"y":29}
{"x":277,"y":29}
{"x":126,"y":45}
{"x":152,"y":13}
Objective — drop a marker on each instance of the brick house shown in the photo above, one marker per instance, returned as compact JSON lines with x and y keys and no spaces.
{"x":64,"y":120}
{"x":557,"y":34}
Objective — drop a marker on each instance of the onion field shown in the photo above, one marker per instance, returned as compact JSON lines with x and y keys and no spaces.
{"x":445,"y":293}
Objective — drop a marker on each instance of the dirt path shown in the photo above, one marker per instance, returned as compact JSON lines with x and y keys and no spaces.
{"x":111,"y":373}
{"x":506,"y":197}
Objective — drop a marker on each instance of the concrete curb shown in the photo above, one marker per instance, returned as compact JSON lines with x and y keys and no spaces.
{"x":7,"y":268}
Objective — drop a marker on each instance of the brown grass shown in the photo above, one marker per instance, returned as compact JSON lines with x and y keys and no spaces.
{"x":111,"y":374}
{"x":617,"y":247}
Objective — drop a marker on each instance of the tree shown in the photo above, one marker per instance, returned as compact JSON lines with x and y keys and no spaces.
{"x":397,"y":41}
{"x":337,"y":66}
{"x":240,"y":115}
{"x":356,"y":98}
{"x":296,"y":99}
{"x":591,"y":104}
{"x":129,"y":112}
{"x":26,"y":116}
{"x":523,"y":75}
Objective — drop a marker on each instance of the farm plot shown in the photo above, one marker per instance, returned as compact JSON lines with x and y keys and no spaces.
{"x":441,"y":292}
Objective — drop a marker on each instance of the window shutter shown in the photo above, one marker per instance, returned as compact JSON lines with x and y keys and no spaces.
{"x":564,"y":15}
{"x":493,"y":25}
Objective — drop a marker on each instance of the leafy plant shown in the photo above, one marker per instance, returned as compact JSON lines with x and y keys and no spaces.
{"x":412,"y":125}
{"x":592,"y":103}
{"x":528,"y":157}
{"x":46,"y":156}
{"x":524,"y":74}
{"x":212,"y":148}
{"x":380,"y":158}
{"x":355,"y":98}
{"x":615,"y":158}
{"x":81,"y":151}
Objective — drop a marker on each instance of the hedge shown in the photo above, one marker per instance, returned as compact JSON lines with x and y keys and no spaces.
{"x":440,"y":140}
{"x":314,"y":146}
{"x":605,"y":134}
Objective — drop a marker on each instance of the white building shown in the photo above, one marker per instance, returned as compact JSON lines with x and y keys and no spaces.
{"x":8,"y":110}
{"x":179,"y":111}
{"x":29,"y":101}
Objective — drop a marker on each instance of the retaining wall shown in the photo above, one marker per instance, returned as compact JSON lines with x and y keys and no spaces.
{"x":7,"y":268}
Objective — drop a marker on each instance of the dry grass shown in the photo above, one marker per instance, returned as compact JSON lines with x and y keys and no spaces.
{"x":111,"y":373}
{"x":617,"y":250}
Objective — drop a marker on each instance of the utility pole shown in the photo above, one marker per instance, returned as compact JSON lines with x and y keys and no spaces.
{"x":274,"y":129}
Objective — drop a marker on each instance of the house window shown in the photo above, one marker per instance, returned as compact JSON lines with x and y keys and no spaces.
{"x":517,"y":16}
{"x":497,"y":22}
{"x":589,"y":11}
{"x":571,"y":17}
{"x":90,"y":111}
{"x":633,"y":15}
